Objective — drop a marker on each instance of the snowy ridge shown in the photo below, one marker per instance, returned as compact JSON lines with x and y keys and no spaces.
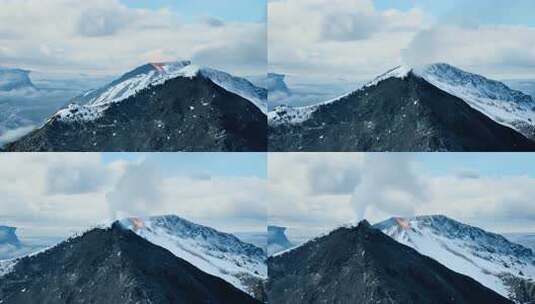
{"x":284,"y":114}
{"x":295,"y":115}
{"x":6,"y":266}
{"x":400,"y":72}
{"x":97,"y":101}
{"x":314,"y":239}
{"x":238,"y":86}
{"x":492,"y":98}
{"x":217,"y":253}
{"x":484,"y":256}
{"x":91,"y":105}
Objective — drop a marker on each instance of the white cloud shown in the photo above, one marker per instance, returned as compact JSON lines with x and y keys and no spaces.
{"x":56,"y":194}
{"x":343,"y":38}
{"x":496,"y":51}
{"x":106,"y":37}
{"x":352,"y":39}
{"x":392,"y":185}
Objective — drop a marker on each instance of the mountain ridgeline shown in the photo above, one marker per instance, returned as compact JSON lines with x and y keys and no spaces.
{"x":492,"y":260}
{"x":113,"y":265}
{"x":438,"y":109}
{"x":363,"y":265}
{"x":159,"y":107}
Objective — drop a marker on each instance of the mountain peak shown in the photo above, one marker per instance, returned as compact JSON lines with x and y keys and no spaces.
{"x":217,"y":253}
{"x":130,"y":270}
{"x":487,"y":257}
{"x":400,"y":71}
{"x":363,"y":225}
{"x":375,"y":268}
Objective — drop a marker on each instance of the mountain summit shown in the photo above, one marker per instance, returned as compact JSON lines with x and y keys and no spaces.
{"x":112,"y":265}
{"x":362,"y":265}
{"x":489,"y":258}
{"x":217,"y":253}
{"x":159,"y":107}
{"x":409,"y":109}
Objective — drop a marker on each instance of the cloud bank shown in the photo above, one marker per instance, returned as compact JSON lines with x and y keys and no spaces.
{"x":353,"y":39}
{"x":316,"y":192}
{"x":106,"y":37}
{"x":59,"y":193}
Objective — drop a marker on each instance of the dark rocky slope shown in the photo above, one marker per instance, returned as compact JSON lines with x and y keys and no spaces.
{"x":112,"y":266}
{"x":363,"y":265}
{"x":397,"y":114}
{"x":183,"y":114}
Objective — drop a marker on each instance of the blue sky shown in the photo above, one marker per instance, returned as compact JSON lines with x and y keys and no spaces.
{"x":228,"y":10}
{"x":480,"y":12}
{"x":195,"y":164}
{"x":485,"y":164}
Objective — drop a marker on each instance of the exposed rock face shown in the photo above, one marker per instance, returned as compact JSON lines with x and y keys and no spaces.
{"x":489,"y":258}
{"x":393,"y":114}
{"x":363,"y":265}
{"x":182,"y":114}
{"x":113,"y":266}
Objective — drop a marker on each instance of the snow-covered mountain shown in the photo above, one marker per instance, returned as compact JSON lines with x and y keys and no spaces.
{"x":407,"y":109}
{"x":360,"y":264}
{"x":277,"y":240}
{"x":216,"y":253}
{"x":160,"y":107}
{"x":492,"y":98}
{"x":111,"y":265}
{"x":488,"y":258}
{"x":92,"y":104}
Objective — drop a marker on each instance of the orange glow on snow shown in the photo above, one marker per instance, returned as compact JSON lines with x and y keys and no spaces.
{"x":403,"y":223}
{"x":138,"y":223}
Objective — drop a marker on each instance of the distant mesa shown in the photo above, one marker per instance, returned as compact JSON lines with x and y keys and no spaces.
{"x":8,"y":236}
{"x":15,"y":79}
{"x":277,"y":240}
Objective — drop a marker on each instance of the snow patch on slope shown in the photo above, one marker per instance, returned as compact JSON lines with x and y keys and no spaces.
{"x":6,"y":266}
{"x":492,"y":98}
{"x":217,"y":253}
{"x":471,"y":251}
{"x":400,"y":72}
{"x":284,"y":114}
{"x":239,"y":86}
